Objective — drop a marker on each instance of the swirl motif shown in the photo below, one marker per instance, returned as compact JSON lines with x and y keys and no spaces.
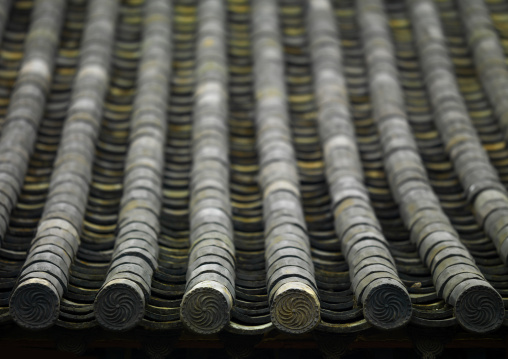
{"x":35,"y":305}
{"x":158,"y":347}
{"x":387,"y":306}
{"x":332,"y":345}
{"x":295,"y":311}
{"x":205,"y":310}
{"x":428,"y":348}
{"x":240,"y":346}
{"x":72,"y":343}
{"x":480,"y":309}
{"x":119,"y":307}
{"x":239,"y":349}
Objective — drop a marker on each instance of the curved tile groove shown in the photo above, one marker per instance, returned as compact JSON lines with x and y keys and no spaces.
{"x":162,"y":311}
{"x":250,"y":314}
{"x":5,"y":7}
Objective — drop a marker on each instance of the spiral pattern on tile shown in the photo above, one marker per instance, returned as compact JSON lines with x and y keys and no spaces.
{"x":72,"y":343}
{"x":205,"y":310}
{"x":119,"y":307}
{"x":295,"y":311}
{"x":387,"y":306}
{"x":478,"y":310}
{"x":35,"y":305}
{"x":428,"y":348}
{"x":158,"y":348}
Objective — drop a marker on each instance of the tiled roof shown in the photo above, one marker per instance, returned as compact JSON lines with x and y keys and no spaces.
{"x":226,"y":165}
